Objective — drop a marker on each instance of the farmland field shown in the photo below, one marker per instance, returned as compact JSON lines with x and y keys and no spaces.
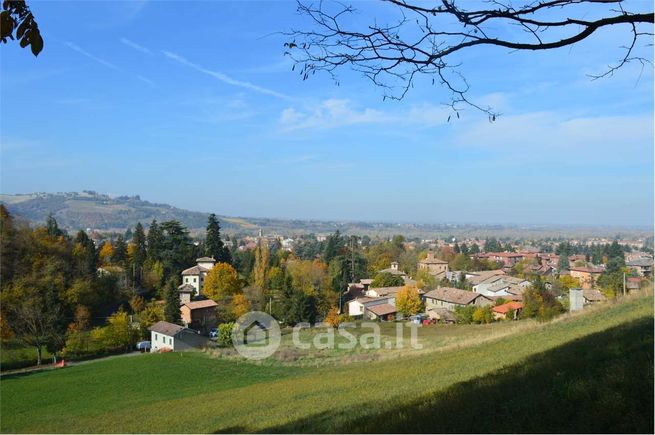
{"x":590,"y":372}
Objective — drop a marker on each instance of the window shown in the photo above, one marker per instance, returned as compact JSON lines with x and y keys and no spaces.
{"x":155,"y":337}
{"x":194,"y":279}
{"x":170,"y":341}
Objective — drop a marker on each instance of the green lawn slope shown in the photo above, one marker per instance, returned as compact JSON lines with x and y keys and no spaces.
{"x":592,"y":372}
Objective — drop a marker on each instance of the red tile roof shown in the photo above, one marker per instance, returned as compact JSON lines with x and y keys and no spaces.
{"x":208,"y":303}
{"x":504,"y":308}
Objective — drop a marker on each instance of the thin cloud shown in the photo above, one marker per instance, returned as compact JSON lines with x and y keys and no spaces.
{"x":336,"y":113}
{"x":104,"y":62}
{"x":136,"y":46}
{"x":92,"y":57}
{"x":145,"y":80}
{"x":222,"y":77}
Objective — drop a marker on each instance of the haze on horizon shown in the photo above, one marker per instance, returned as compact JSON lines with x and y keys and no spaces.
{"x":210,"y":117}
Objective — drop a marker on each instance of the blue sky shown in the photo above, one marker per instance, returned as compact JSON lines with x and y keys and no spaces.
{"x":195,"y":105}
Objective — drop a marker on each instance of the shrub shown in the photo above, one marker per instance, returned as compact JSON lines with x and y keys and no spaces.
{"x":225,"y":334}
{"x":464,"y":314}
{"x":332,"y":318}
{"x":482,"y":315}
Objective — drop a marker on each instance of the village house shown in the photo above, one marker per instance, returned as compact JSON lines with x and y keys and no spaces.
{"x":633,"y":283}
{"x":643,"y":266}
{"x":380,"y":312}
{"x":591,"y":296}
{"x":441,"y":315}
{"x":509,"y":259}
{"x":450,"y":298}
{"x":434,"y":266}
{"x":394,"y":270}
{"x":199,"y":315}
{"x":358,"y":307}
{"x":165,"y":336}
{"x":586,"y":275}
{"x":579,"y":297}
{"x":186,"y":291}
{"x":501,"y":285}
{"x":195,"y":276}
{"x":500,"y":311}
{"x":475,"y":278}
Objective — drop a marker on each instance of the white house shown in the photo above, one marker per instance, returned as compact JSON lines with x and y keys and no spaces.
{"x":357,"y":307}
{"x":195,"y":276}
{"x":501,"y":285}
{"x":169,"y":336}
{"x":378,"y":292}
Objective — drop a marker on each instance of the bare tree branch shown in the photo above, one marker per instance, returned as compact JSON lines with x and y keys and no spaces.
{"x":428,"y":34}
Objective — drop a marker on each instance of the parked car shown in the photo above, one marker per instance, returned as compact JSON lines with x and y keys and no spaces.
{"x":143,"y":346}
{"x":417,"y":318}
{"x":213,"y":333}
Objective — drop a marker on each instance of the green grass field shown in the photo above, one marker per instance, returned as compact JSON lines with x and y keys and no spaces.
{"x":589,"y":372}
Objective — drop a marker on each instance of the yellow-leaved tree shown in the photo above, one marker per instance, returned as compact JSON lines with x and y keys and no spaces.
{"x":240,"y":305}
{"x":569,"y":282}
{"x":408,"y":301}
{"x":221,"y":282}
{"x":262,"y":257}
{"x":105,"y":253}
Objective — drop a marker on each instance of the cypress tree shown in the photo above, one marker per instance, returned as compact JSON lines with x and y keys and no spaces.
{"x":140,"y":251}
{"x":172,"y":303}
{"x":155,"y":240}
{"x":214,"y":246}
{"x":120,"y":251}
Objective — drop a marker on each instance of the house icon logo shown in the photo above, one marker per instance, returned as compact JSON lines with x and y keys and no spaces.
{"x":256,"y":335}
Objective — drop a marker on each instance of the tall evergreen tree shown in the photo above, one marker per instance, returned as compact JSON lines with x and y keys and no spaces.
{"x":140,"y":251}
{"x":214,"y":246}
{"x":615,"y":251}
{"x":52,"y":227}
{"x":85,"y":255}
{"x":155,"y":241}
{"x":120,"y":251}
{"x":563,"y":263}
{"x":177,"y":249}
{"x":172,"y":302}
{"x":492,"y":245}
{"x":333,"y":246}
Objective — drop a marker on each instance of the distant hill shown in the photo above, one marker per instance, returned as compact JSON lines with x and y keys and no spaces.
{"x":97,"y":211}
{"x":88,"y":209}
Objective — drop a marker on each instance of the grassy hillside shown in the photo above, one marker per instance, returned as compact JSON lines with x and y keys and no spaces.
{"x":594,"y":363}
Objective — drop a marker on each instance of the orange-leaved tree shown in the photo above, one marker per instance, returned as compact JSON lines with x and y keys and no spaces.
{"x":240,"y":305}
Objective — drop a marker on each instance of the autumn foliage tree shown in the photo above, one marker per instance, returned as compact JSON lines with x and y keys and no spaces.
{"x":221,"y":282}
{"x":262,"y":258}
{"x":408,"y":301}
{"x":240,"y":305}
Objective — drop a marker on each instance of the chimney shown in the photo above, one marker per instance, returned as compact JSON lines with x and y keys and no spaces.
{"x":430,"y":254}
